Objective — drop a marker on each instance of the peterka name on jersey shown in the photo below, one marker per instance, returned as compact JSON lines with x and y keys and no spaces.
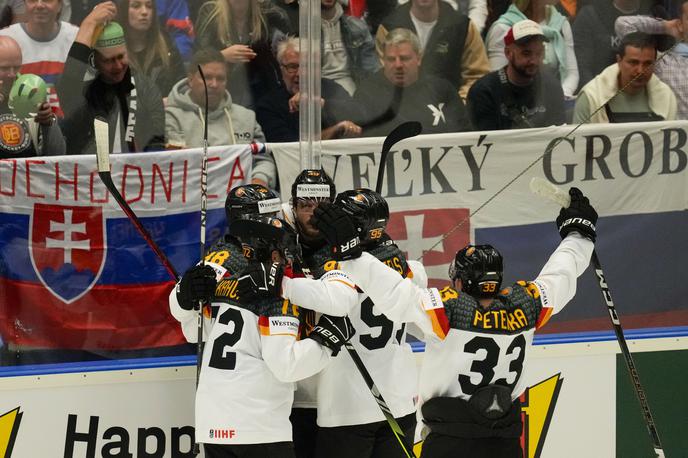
{"x":500,"y":320}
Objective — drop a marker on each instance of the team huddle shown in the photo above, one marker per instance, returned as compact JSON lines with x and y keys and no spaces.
{"x":307,"y":305}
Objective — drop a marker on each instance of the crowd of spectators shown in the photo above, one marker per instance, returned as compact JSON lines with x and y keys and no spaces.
{"x":453,"y":65}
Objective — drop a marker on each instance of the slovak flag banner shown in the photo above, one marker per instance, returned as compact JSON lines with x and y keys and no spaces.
{"x":74,"y":271}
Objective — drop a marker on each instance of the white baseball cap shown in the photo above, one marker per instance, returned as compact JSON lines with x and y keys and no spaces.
{"x":523,"y":31}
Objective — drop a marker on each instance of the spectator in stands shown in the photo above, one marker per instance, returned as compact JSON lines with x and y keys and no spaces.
{"x":672,"y":67}
{"x":173,"y":17}
{"x":18,"y":9}
{"x":228,"y":123}
{"x":291,"y":9}
{"x":16,"y":139}
{"x":150,"y":50}
{"x":81,"y":9}
{"x":594,"y":39}
{"x":348,"y":49}
{"x":451,"y":45}
{"x":476,"y":10}
{"x":518,"y":95}
{"x":570,"y":8}
{"x":398,"y":93}
{"x":628,"y":90}
{"x":244,"y":30}
{"x":45,"y":42}
{"x":376,"y":11}
{"x":559,"y":59}
{"x":130,"y":102}
{"x":278,"y":111}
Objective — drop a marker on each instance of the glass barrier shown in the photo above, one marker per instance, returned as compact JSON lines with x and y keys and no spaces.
{"x":79,"y":283}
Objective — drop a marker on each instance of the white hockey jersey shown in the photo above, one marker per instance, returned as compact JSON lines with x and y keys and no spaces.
{"x":250,"y":360}
{"x":343,"y":397}
{"x":469,"y":346}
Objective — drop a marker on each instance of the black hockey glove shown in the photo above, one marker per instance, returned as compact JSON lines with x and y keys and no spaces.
{"x":339,"y":230}
{"x":197,"y":284}
{"x":579,"y":216}
{"x":260,"y":279}
{"x":332,"y":332}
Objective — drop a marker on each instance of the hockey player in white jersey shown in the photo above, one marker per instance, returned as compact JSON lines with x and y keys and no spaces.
{"x":350,"y":420}
{"x":251,"y":357}
{"x":478,"y":336}
{"x":310,"y":188}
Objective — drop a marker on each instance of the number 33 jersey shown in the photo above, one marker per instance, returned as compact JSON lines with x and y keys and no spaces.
{"x":250,"y":359}
{"x":469,"y":346}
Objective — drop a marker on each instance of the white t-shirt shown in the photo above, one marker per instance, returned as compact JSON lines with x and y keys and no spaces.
{"x":44,"y":58}
{"x":424,"y":29}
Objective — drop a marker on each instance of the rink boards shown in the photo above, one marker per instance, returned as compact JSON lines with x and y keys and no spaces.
{"x":578,"y":404}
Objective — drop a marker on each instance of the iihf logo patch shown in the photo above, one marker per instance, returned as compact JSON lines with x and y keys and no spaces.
{"x":67,"y":246}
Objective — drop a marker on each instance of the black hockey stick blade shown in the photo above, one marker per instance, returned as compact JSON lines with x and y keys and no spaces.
{"x":101,"y":130}
{"x":402,"y":131}
{"x":205,"y":123}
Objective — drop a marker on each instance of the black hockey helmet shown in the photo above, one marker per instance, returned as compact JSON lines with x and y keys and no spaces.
{"x":368,"y":209}
{"x":312,"y":184}
{"x":251,"y":199}
{"x":260,"y":235}
{"x":480,"y":269}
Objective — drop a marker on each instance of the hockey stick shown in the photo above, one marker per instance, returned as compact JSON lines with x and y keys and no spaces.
{"x":386,"y":411}
{"x":547,"y":190}
{"x":402,"y":131}
{"x":204,"y":206}
{"x":399,"y":133}
{"x":102,"y":134}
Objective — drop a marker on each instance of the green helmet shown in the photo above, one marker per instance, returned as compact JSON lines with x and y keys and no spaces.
{"x":27,"y":94}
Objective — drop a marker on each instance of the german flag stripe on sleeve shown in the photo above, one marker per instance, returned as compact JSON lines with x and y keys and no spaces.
{"x":432,"y":303}
{"x":543,"y":318}
{"x":264,"y":325}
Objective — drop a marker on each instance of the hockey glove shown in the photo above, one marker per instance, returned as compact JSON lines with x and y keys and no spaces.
{"x":260,"y":279}
{"x":197,"y":284}
{"x":332,"y":332}
{"x":338,"y":229}
{"x":579,"y":216}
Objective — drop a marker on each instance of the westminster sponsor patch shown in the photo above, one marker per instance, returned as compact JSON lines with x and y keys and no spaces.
{"x":269,"y":205}
{"x":279,"y":326}
{"x":312,"y":191}
{"x":338,"y":275}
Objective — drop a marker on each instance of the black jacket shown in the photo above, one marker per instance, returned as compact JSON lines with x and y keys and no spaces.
{"x":247,"y":82}
{"x":280,"y":125}
{"x":431,"y":101}
{"x":594,"y":39}
{"x":443,"y":53}
{"x":495,"y":104}
{"x":84,"y":100}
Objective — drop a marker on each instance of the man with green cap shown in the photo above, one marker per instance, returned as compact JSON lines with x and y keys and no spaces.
{"x":18,"y":137}
{"x":97,"y":81}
